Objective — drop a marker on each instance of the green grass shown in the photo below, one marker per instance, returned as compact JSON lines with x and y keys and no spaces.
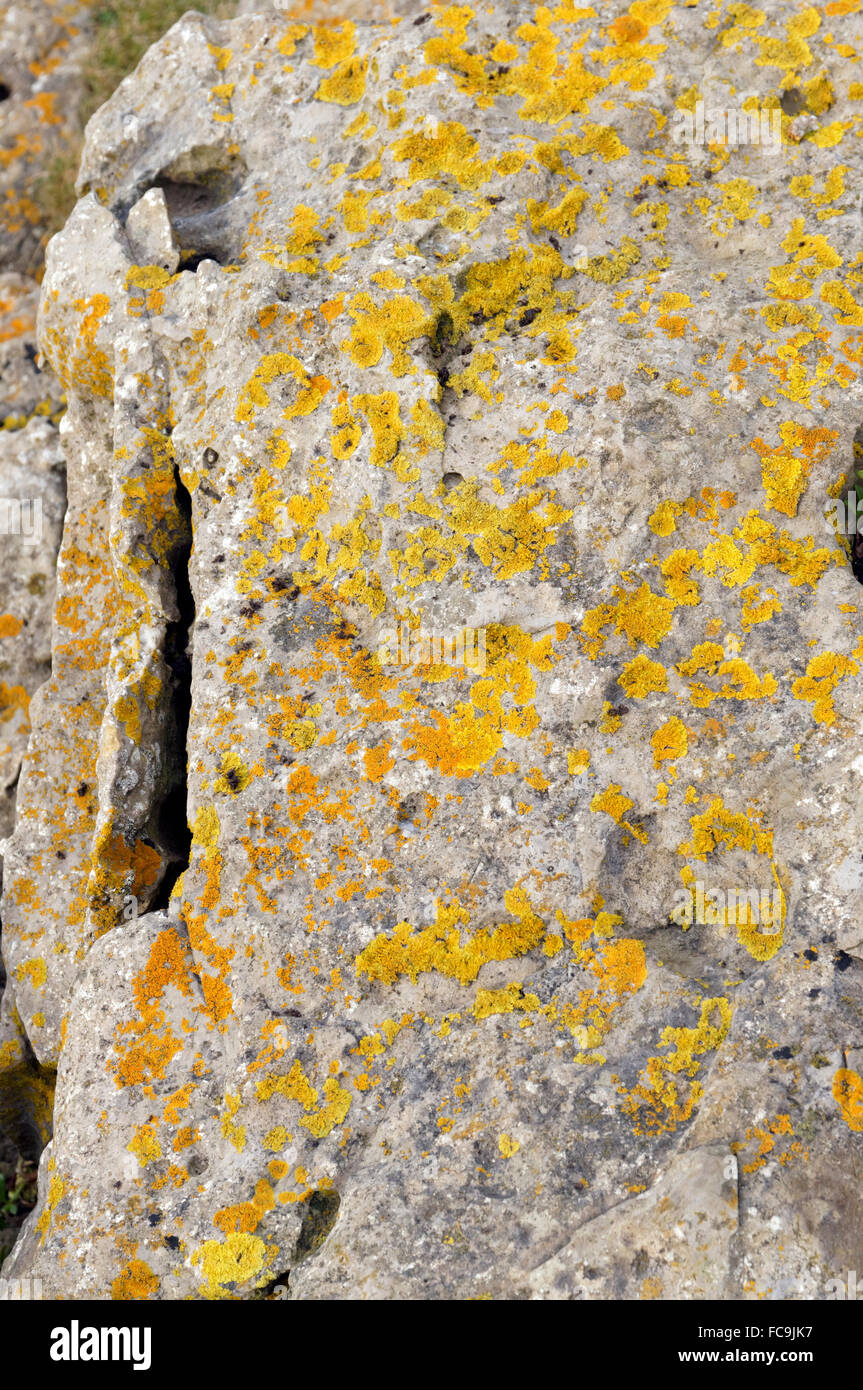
{"x":18,"y":1189}
{"x":122,"y":32}
{"x":17,"y":1199}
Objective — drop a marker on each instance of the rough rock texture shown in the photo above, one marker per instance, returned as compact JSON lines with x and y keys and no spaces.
{"x":41,"y":46}
{"x":460,"y":336}
{"x":32,"y":502}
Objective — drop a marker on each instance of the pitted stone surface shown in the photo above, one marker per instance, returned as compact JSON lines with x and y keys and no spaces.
{"x":460,"y":337}
{"x":42,"y":44}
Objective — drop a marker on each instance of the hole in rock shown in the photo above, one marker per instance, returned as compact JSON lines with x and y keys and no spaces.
{"x":273,"y":1290}
{"x":792,"y":101}
{"x":319,"y":1220}
{"x":199,"y":189}
{"x":5,"y":92}
{"x":190,"y":260}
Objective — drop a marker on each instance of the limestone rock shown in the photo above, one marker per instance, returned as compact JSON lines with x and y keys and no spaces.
{"x":150,"y":234}
{"x":32,"y":502}
{"x":447,"y":996}
{"x":31,"y":517}
{"x":41,"y":47}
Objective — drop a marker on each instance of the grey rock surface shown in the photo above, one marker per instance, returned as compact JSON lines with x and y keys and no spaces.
{"x":42,"y":45}
{"x":447,"y":997}
{"x":41,"y":48}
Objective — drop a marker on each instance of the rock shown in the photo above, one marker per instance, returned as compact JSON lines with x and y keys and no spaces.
{"x":684,"y":1227}
{"x":41,"y":49}
{"x":32,"y":502}
{"x":27,"y":389}
{"x":448,"y":997}
{"x":31,"y":518}
{"x":150,"y":234}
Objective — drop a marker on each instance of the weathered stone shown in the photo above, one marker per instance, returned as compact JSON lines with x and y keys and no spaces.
{"x":27,"y":389}
{"x":461,"y":337}
{"x":31,"y":517}
{"x":32,"y":501}
{"x":150,"y":234}
{"x":41,"y":47}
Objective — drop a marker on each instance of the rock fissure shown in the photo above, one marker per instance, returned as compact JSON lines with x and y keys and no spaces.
{"x":174,"y":832}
